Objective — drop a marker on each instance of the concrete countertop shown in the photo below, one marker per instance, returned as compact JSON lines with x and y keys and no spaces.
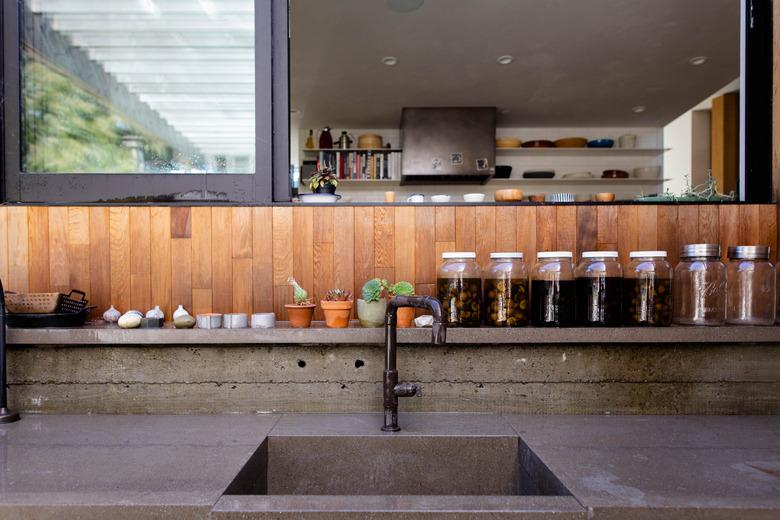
{"x":686,"y":467}
{"x":99,"y":333}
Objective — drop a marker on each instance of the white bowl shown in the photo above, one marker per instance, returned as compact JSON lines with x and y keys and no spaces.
{"x":440,"y":198}
{"x":647,"y":172}
{"x":319,"y":198}
{"x":263,"y":320}
{"x":474,"y":197}
{"x":415,"y":198}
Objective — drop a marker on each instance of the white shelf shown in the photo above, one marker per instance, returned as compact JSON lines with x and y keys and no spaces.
{"x":348,"y":150}
{"x":581,"y":151}
{"x":354,"y":183}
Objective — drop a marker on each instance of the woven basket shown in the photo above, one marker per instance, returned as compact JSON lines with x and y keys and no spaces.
{"x":33,"y":303}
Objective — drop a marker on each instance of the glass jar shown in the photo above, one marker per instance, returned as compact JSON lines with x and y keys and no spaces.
{"x":647,"y":289}
{"x":751,"y":287}
{"x":599,"y":289}
{"x":552,"y":290}
{"x":459,"y":289}
{"x":506,"y":290}
{"x":700,"y":286}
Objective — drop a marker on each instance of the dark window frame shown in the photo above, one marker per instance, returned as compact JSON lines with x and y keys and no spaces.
{"x":269,"y":183}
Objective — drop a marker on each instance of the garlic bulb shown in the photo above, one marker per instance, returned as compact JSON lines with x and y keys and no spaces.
{"x":111,"y":315}
{"x":155,"y":313}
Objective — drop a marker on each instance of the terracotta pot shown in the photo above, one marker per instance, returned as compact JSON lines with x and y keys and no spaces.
{"x":336,"y":313}
{"x":405,"y":317}
{"x":372,"y":314}
{"x":300,"y":315}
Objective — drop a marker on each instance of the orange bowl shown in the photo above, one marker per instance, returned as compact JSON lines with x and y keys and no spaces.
{"x":571,"y":142}
{"x":536,"y":198}
{"x":508,"y":195}
{"x":508,"y":142}
{"x":605,"y":197}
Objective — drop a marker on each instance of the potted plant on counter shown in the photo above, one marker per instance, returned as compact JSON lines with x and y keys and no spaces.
{"x":301,"y":311}
{"x":404,"y":315}
{"x":323,"y":180}
{"x":337,"y":306}
{"x":371,"y":308}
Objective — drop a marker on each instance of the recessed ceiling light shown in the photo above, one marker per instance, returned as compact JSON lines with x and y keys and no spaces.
{"x":404,"y":6}
{"x":638,"y":109}
{"x":506,"y":59}
{"x":698,"y":60}
{"x":389,"y":60}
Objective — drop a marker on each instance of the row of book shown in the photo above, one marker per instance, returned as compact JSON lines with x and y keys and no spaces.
{"x":362,"y":166}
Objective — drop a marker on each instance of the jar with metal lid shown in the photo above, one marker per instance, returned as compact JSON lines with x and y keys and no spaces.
{"x":552,"y":290}
{"x":599,"y":289}
{"x":750,"y":295}
{"x":459,"y":288}
{"x":700,"y":286}
{"x":506,"y":290}
{"x":647,"y":289}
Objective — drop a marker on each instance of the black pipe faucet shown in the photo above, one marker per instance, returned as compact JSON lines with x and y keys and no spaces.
{"x":6,"y":415}
{"x":392,"y":388}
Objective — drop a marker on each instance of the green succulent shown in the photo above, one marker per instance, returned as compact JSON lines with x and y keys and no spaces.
{"x":401,"y":288}
{"x":300,"y":296}
{"x":372,"y":289}
{"x":338,"y":295}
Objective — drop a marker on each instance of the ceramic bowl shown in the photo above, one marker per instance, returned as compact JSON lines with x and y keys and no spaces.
{"x":614,"y":174}
{"x":209,"y":321}
{"x":319,"y":198}
{"x":508,"y":142}
{"x":605,"y":197}
{"x":416,"y":198}
{"x":539,"y":197}
{"x":502,"y":172}
{"x":237,"y":320}
{"x":473,"y":197}
{"x":539,"y":174}
{"x":601,"y":143}
{"x":559,"y":197}
{"x":577,"y":175}
{"x":508,"y":195}
{"x":263,"y":320}
{"x":647,"y":172}
{"x":440,"y":198}
{"x":539,"y":143}
{"x":571,"y":142}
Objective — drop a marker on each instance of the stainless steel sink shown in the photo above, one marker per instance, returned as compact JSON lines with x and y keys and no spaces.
{"x":377,"y":475}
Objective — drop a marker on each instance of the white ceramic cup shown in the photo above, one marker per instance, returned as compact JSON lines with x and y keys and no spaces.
{"x":474,"y":197}
{"x":440,"y":198}
{"x":416,"y":197}
{"x":263,"y":320}
{"x":627,"y":141}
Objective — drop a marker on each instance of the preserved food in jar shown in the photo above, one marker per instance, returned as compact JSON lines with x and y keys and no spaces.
{"x":750,"y":286}
{"x":506,"y":291}
{"x":647,"y":289}
{"x":700,"y":286}
{"x":552,"y":290}
{"x":459,"y":288}
{"x":599,"y":289}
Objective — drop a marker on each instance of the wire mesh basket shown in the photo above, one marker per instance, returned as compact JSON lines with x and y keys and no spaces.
{"x":69,"y":304}
{"x":33,"y":303}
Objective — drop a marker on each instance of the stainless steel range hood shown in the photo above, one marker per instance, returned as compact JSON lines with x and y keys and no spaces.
{"x":455,"y":145}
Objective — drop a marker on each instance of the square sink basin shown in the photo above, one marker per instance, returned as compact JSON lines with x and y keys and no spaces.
{"x":377,"y":475}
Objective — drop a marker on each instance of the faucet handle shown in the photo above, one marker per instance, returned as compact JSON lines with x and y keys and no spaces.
{"x":407,"y":390}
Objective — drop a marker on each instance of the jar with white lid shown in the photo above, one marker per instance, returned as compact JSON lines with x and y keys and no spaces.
{"x":647,"y":289}
{"x":552,"y":290}
{"x":700,"y":286}
{"x":599,"y":289}
{"x":506,"y":290}
{"x":459,"y":288}
{"x":751,"y":286}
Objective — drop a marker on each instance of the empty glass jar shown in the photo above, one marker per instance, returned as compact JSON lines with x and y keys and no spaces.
{"x":751,"y":286}
{"x":700,"y":286}
{"x":506,"y":290}
{"x":552,"y":290}
{"x":599,"y":289}
{"x":647,"y":289}
{"x":459,"y":289}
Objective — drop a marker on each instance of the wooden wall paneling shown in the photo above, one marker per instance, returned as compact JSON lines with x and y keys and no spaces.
{"x":322,"y":254}
{"x":767,"y":228}
{"x":119,"y":249}
{"x":4,"y":246}
{"x":728,"y":227}
{"x":587,"y":229}
{"x":667,"y":232}
{"x":140,"y":259}
{"x":425,"y":245}
{"x":566,"y":229}
{"x":647,"y":216}
{"x":465,"y":230}
{"x":221,"y":259}
{"x":181,"y":222}
{"x":688,"y":225}
{"x":303,"y":247}
{"x":546,"y":229}
{"x":709,"y":225}
{"x":201,"y":243}
{"x":405,"y":244}
{"x":607,"y":236}
{"x":59,"y":273}
{"x":38,"y":247}
{"x":628,"y":231}
{"x":324,"y":223}
{"x":344,"y":251}
{"x":506,"y":229}
{"x":443,"y":247}
{"x":384,"y":237}
{"x":241,"y":235}
{"x":160,"y":232}
{"x":445,"y":223}
{"x":262,"y":260}
{"x":100,"y":259}
{"x":78,"y":249}
{"x":485,"y":233}
{"x":18,"y":250}
{"x":364,"y":247}
{"x":181,"y":274}
{"x":748,"y":224}
{"x":526,"y":233}
{"x":282,"y":255}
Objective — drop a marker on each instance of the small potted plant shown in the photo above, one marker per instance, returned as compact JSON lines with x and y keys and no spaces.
{"x":301,"y":311}
{"x":337,"y":306}
{"x":404,"y":315}
{"x":371,"y":308}
{"x":323,"y":180}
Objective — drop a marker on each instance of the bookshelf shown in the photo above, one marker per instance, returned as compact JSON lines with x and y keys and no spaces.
{"x":360,"y":164}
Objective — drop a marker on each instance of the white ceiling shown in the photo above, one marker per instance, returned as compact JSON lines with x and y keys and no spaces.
{"x":577,"y":62}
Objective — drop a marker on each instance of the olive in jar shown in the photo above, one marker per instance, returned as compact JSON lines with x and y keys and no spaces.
{"x":506,"y":302}
{"x":461,"y":301}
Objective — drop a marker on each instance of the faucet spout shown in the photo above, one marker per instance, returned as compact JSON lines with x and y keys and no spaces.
{"x":392,"y":389}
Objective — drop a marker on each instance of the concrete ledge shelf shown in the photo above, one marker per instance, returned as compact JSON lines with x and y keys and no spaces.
{"x":100,"y":334}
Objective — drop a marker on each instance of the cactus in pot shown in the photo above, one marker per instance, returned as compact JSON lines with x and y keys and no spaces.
{"x":337,"y":306}
{"x":371,"y":307}
{"x":301,"y":311}
{"x":404,"y":315}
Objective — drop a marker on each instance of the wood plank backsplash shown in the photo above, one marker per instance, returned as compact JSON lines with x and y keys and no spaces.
{"x":238,"y":259}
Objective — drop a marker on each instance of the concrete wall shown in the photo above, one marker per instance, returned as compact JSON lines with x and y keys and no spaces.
{"x":618,"y":378}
